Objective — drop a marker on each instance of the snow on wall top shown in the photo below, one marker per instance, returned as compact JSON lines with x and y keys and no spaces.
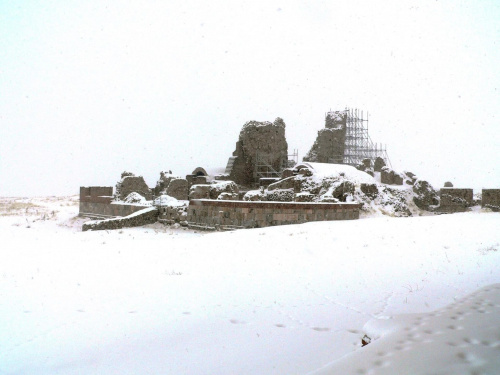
{"x":258,"y":124}
{"x":337,"y":115}
{"x":322,"y":170}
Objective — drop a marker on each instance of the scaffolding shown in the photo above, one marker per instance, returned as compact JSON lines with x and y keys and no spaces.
{"x":358,"y":144}
{"x":265,"y":169}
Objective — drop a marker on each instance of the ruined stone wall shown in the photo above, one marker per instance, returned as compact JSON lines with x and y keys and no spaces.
{"x":107,"y":210}
{"x":93,"y":193}
{"x":130,"y":184}
{"x":330,"y":143}
{"x":263,"y":138}
{"x":96,"y":201}
{"x":145,"y":216}
{"x":491,"y":199}
{"x":213,"y":215}
{"x":455,"y":200}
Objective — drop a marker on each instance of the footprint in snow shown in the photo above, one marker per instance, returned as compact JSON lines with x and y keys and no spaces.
{"x":321,"y":329}
{"x":235,"y":321}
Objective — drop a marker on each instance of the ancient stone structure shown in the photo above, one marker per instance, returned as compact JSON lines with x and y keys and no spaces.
{"x":178,"y":188}
{"x":455,"y":200}
{"x":378,"y":164}
{"x":201,"y":191}
{"x":425,"y":195}
{"x":198,"y":176}
{"x":163,"y":181}
{"x":172,"y":185}
{"x":215,"y":190}
{"x":261,"y":151}
{"x":448,"y":184}
{"x":130,"y":183}
{"x":390,"y":177}
{"x":220,"y":214}
{"x":370,"y":190}
{"x":491,"y":199}
{"x":97,"y":202}
{"x":330,"y":142}
{"x":173,"y":214}
{"x":145,"y":216}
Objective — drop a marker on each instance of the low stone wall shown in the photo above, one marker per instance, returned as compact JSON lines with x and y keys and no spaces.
{"x":107,"y":210}
{"x":455,"y":200}
{"x":215,"y":214}
{"x":491,"y":199}
{"x":96,"y":202}
{"x":145,"y":216}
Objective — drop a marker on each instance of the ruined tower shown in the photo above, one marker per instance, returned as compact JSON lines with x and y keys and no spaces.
{"x":261,"y":151}
{"x":330,"y":143}
{"x":345,"y":140}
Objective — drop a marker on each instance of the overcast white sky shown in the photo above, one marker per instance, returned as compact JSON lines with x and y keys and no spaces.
{"x":91,"y":88}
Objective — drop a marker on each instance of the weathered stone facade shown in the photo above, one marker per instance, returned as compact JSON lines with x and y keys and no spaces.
{"x":378,"y":164}
{"x":173,"y":214}
{"x":198,"y":176}
{"x":330,"y":143}
{"x":491,"y":199}
{"x":212,"y":215}
{"x":455,"y":200}
{"x":425,"y":195}
{"x":130,"y":184}
{"x":178,"y":188}
{"x":264,"y":140}
{"x":163,"y":181}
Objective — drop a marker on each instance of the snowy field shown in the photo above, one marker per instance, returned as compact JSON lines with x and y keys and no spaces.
{"x":294,"y":299}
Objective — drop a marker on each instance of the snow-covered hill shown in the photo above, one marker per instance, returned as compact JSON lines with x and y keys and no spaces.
{"x":294,"y":299}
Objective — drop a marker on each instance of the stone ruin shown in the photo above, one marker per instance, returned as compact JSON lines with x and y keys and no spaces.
{"x":197,"y":177}
{"x":261,"y":151}
{"x":130,"y":183}
{"x":171,"y":185}
{"x":455,"y":200}
{"x":261,"y":159}
{"x":221,"y":190}
{"x":330,"y":143}
{"x":308,"y":182}
{"x":491,"y":199}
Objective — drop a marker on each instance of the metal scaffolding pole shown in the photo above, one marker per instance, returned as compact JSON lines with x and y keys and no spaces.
{"x":358,"y":144}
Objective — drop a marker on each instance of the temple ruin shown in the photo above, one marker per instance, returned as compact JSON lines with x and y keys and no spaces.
{"x":343,"y":173}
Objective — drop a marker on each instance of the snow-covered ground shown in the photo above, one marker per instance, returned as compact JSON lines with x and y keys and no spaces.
{"x":294,"y":299}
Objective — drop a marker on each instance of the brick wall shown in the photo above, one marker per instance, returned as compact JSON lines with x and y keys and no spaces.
{"x":214,"y":214}
{"x":491,"y":199}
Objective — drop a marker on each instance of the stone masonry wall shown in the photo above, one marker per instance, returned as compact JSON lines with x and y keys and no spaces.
{"x":107,"y":210}
{"x":491,"y":199}
{"x":145,"y":216}
{"x":96,"y":201}
{"x":211,"y":215}
{"x":455,"y":200}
